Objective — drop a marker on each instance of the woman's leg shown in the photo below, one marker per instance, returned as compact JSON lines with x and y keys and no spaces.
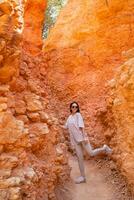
{"x":93,"y":152}
{"x":79,"y":153}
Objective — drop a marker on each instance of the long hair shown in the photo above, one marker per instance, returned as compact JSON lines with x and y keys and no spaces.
{"x":78,"y":108}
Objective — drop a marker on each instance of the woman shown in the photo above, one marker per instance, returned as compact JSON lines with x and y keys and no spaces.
{"x":79,"y":139}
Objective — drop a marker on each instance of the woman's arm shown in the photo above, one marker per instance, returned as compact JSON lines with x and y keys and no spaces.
{"x":81,"y":129}
{"x":63,"y":126}
{"x":84,"y":134}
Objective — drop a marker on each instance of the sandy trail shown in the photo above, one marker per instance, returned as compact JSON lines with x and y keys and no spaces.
{"x":102,"y":182}
{"x":96,"y":187}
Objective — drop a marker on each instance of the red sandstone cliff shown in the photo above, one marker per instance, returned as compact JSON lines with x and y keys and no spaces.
{"x":83,"y":51}
{"x":81,"y":54}
{"x":121,"y":103}
{"x":32,"y":153}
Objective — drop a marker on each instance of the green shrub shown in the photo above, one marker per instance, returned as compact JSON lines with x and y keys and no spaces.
{"x":51,"y":14}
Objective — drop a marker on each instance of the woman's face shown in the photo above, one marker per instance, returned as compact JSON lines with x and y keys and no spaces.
{"x":74,"y":108}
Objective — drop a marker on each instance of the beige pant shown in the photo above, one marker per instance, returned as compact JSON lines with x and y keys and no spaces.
{"x":89,"y":150}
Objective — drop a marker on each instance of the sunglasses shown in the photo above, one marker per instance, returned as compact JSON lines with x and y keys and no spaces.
{"x":74,"y":107}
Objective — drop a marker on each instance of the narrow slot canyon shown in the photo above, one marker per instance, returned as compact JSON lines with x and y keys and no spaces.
{"x":52,"y":53}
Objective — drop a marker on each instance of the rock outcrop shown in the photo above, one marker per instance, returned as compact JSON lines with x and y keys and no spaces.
{"x":34,"y":19}
{"x":32,"y":153}
{"x":11,"y":24}
{"x":121,"y":103}
{"x":81,"y":54}
{"x":83,"y":51}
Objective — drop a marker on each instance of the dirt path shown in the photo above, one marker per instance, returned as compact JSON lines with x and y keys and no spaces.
{"x":95,"y":188}
{"x":103,"y":182}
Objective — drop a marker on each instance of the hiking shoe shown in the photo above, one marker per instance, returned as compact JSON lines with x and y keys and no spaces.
{"x":107,"y":149}
{"x":80,"y":179}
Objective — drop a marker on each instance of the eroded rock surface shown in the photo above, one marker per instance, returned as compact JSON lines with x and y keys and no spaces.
{"x":121,"y":104}
{"x":89,"y":41}
{"x":11,"y":24}
{"x":30,"y":163}
{"x":85,"y":47}
{"x":82,"y":51}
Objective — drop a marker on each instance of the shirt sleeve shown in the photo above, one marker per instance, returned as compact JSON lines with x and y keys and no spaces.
{"x":80,"y":120}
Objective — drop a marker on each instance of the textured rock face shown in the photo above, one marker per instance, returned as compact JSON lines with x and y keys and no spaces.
{"x":122,"y":106}
{"x":99,"y":32}
{"x":34,"y":19}
{"x":32,"y":154}
{"x":83,"y":51}
{"x":80,"y":54}
{"x":83,"y":48}
{"x":10,"y":38}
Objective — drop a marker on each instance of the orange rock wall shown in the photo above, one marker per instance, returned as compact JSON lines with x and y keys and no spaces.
{"x":122,"y":106}
{"x":34,"y":19}
{"x":80,"y":55}
{"x":32,"y":153}
{"x":11,"y":25}
{"x":83,"y":51}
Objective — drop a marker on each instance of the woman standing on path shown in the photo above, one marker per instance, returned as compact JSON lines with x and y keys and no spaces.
{"x":79,"y":140}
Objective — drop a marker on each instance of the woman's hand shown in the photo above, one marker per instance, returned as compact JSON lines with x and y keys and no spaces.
{"x":62,"y":126}
{"x":86,"y":139}
{"x":84,"y":134}
{"x":82,"y":130}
